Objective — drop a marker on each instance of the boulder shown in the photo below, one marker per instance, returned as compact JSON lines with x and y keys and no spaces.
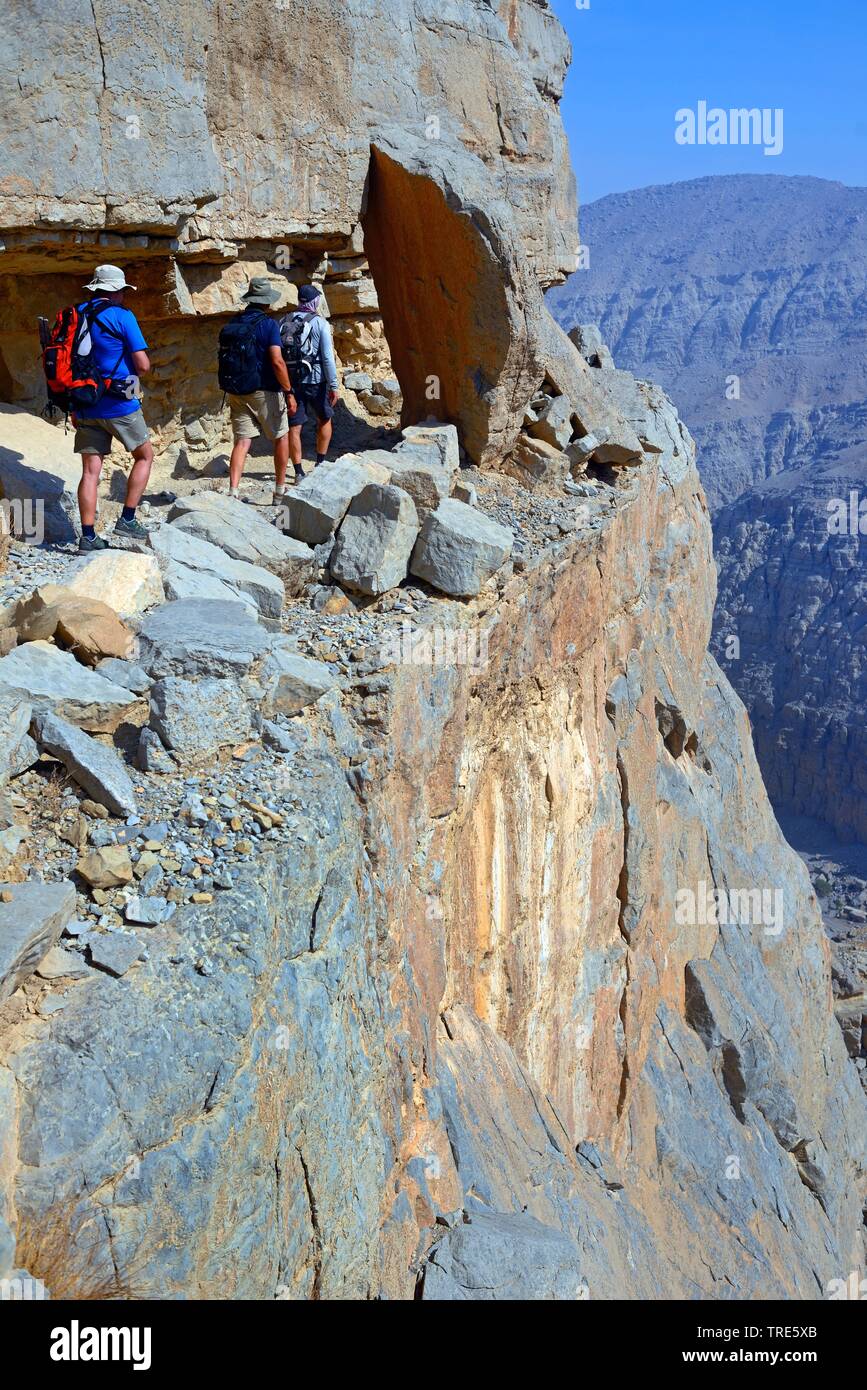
{"x":580,"y":451}
{"x":52,"y":679}
{"x":179,"y":552}
{"x":465,"y":492}
{"x":151,"y":755}
{"x":437,"y":442}
{"x":316,"y":506}
{"x":192,"y":637}
{"x":38,"y":470}
{"x":291,"y":681}
{"x":114,"y":951}
{"x":124,"y":673}
{"x":426,"y":482}
{"x":533,"y":461}
{"x":87,"y":627}
{"x":375,"y":540}
{"x":358,"y":381}
{"x":587,"y":338}
{"x":96,"y":768}
{"x":129,"y":582}
{"x":30,"y":924}
{"x":553,"y":423}
{"x":181,"y":582}
{"x":198,"y":717}
{"x":107,"y":866}
{"x":243,"y":534}
{"x":594,"y":410}
{"x":459,"y":548}
{"x":375,"y":404}
{"x":15,"y":716}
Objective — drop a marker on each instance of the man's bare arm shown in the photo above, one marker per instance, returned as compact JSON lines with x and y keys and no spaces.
{"x":280,"y":371}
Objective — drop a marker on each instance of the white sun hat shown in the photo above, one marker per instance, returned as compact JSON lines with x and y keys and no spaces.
{"x":110,"y":278}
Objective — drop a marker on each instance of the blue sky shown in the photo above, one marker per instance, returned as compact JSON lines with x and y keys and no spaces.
{"x":636,"y":62}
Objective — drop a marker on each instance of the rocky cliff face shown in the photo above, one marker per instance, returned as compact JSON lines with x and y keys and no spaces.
{"x":743,"y":297}
{"x":501,"y":1005}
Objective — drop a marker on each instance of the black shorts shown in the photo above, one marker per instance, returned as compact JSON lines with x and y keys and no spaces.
{"x":312,"y":399}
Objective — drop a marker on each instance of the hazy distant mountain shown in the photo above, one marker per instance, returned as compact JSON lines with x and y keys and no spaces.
{"x":756,"y":276}
{"x":764,"y":279}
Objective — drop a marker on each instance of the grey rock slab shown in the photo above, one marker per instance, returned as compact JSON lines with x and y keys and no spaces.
{"x":375,"y":540}
{"x":38,"y":480}
{"x":316,"y":506}
{"x":293,"y":681}
{"x":437,"y":442}
{"x":554,"y":422}
{"x":426,"y":482}
{"x":114,"y":951}
{"x":53,"y":679}
{"x":96,"y":768}
{"x":15,"y":715}
{"x":29,"y":926}
{"x":358,"y":381}
{"x":242,"y":533}
{"x":149,"y":912}
{"x":124,"y":673}
{"x":174,"y":547}
{"x":198,"y":717}
{"x":60,"y":964}
{"x":181,"y":582}
{"x":152,"y":755}
{"x":200,"y":637}
{"x":459,"y":548}
{"x":503,"y":1255}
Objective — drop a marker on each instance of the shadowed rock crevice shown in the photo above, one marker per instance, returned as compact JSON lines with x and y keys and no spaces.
{"x":445,"y":302}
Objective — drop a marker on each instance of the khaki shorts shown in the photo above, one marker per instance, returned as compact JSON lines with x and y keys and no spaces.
{"x":94,"y":436}
{"x":263,"y":409}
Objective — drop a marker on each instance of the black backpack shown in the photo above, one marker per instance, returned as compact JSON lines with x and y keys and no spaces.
{"x":296,"y":333}
{"x":239,"y":360}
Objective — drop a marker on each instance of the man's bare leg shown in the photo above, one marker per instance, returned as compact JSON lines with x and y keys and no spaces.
{"x":240,"y":450}
{"x":91,"y":467}
{"x":281,"y":460}
{"x":323,"y":437}
{"x":295,"y":450}
{"x":140,"y":472}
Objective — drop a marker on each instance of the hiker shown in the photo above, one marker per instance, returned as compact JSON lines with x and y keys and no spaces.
{"x":308,"y":347}
{"x":253,"y":375}
{"x":120,"y":358}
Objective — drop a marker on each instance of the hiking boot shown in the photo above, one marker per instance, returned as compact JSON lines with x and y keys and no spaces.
{"x":234,"y":493}
{"x":279,"y":497}
{"x":90,"y":543}
{"x":132,"y":530}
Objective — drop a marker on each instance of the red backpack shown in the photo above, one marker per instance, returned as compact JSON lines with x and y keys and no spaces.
{"x":67,"y":358}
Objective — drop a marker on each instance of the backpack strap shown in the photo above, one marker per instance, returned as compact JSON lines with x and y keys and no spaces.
{"x":96,"y":317}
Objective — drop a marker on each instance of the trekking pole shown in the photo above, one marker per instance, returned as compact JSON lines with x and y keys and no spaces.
{"x":49,"y":410}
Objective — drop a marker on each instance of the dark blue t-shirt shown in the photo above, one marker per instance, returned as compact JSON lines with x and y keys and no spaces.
{"x":106,"y":351}
{"x":267,"y":336}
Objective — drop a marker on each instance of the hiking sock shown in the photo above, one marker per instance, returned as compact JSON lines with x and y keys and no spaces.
{"x":320,"y":458}
{"x":128,"y":514}
{"x":89,"y":532}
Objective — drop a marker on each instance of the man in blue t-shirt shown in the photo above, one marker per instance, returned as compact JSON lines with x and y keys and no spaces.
{"x":120,"y":355}
{"x":266,"y":409}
